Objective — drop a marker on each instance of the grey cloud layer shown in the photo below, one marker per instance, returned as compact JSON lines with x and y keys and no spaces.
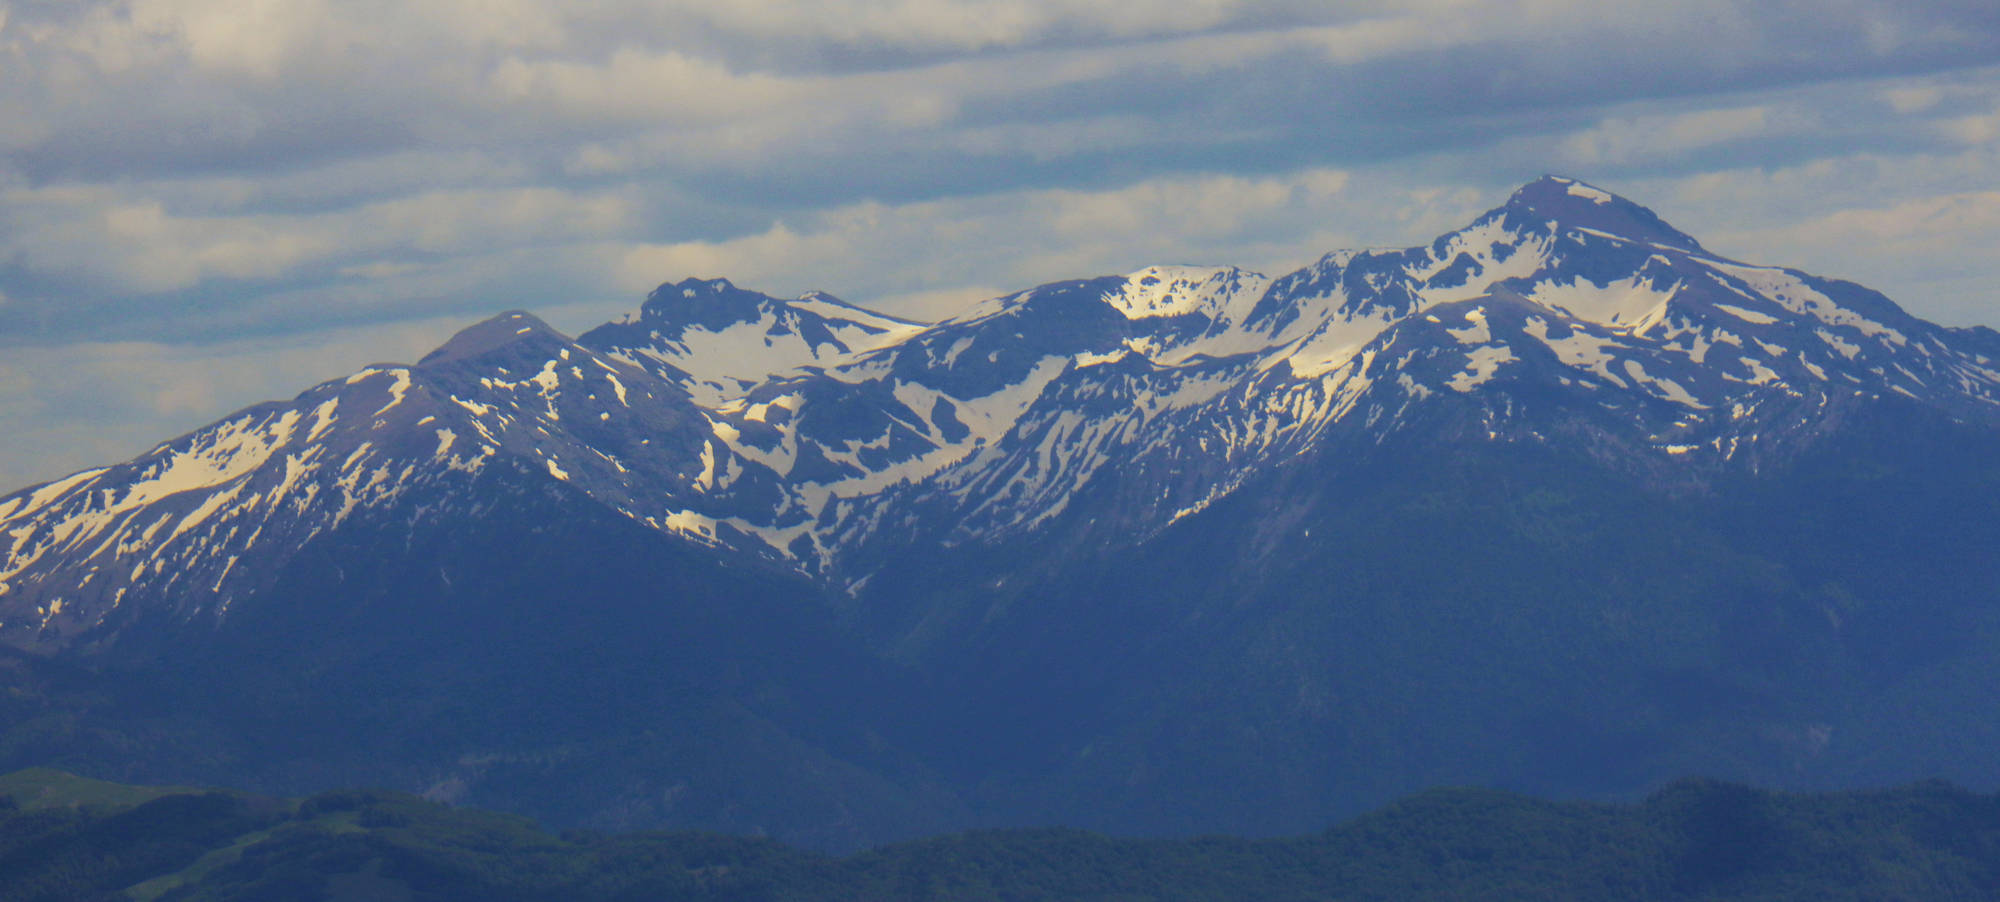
{"x":195,"y":172}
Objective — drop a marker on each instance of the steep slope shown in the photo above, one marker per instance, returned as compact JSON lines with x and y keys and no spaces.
{"x":717,"y":340}
{"x":1565,"y":311}
{"x":187,"y":529}
{"x":1562,"y":501}
{"x":1365,"y":622}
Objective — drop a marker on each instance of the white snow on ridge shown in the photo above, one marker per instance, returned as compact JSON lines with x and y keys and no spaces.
{"x":1224,"y":296}
{"x":1791,"y":292}
{"x":1594,"y":195}
{"x":229,"y":452}
{"x":1336,"y":342}
{"x":987,"y":419}
{"x":220,"y":459}
{"x":214,"y":502}
{"x":41,"y":497}
{"x":1664,"y":387}
{"x":723,"y":364}
{"x":1474,"y":334}
{"x":1481,"y":242}
{"x":322,"y":418}
{"x":397,"y":389}
{"x":691,"y":524}
{"x":1579,"y":349}
{"x":889,"y":330}
{"x":759,"y":411}
{"x":1624,"y":303}
{"x":1089,"y":359}
{"x":1193,"y":391}
{"x":1748,"y":316}
{"x":991,"y":416}
{"x":1158,"y":291}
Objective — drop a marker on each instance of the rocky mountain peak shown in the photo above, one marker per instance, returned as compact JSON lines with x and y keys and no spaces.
{"x":713,"y":304}
{"x":512,"y":327}
{"x":1576,"y":205}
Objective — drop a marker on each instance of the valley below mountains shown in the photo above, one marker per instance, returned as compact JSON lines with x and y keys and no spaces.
{"x":1561,"y":503}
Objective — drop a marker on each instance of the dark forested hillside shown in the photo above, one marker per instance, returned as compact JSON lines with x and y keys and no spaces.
{"x":64,"y":838}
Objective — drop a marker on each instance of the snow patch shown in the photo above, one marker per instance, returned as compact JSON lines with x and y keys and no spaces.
{"x":322,"y":419}
{"x":1336,"y":342}
{"x":397,"y":390}
{"x":41,"y":497}
{"x":1579,"y":349}
{"x":1594,"y":195}
{"x":1662,"y":386}
{"x":1480,"y":365}
{"x":1182,"y":290}
{"x":1749,"y":316}
{"x":1846,"y":348}
{"x":1475,"y":334}
{"x":1088,"y":358}
{"x":1624,"y":303}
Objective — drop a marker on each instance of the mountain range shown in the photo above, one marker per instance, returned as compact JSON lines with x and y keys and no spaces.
{"x":1562,"y":502}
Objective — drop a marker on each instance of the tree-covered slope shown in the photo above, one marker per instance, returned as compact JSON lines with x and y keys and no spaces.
{"x":1695,"y":840}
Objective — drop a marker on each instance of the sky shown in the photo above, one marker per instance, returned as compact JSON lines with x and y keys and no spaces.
{"x":208,"y":203}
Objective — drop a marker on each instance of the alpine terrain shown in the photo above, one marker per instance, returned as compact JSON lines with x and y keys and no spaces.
{"x":1562,"y":502}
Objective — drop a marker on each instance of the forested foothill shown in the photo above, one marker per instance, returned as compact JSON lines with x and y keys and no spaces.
{"x":64,"y":837}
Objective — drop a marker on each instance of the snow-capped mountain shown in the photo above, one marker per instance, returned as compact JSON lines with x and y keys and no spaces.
{"x":718,"y":341}
{"x":820,"y":436}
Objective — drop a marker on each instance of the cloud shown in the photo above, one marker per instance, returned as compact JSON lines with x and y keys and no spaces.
{"x":1913,"y":99}
{"x":213,"y":84}
{"x":199,"y":171}
{"x":1627,"y":140}
{"x":107,"y":401}
{"x":1977,"y":129}
{"x":1927,"y":253}
{"x":103,"y":243}
{"x":922,"y":254}
{"x":1918,"y":227}
{"x":634,"y":85}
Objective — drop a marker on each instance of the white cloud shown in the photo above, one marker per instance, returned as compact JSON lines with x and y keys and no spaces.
{"x":931,"y":254}
{"x":121,"y":244}
{"x":1913,"y":99}
{"x":1929,"y":254}
{"x":1977,"y":129}
{"x":74,"y":405}
{"x":1652,"y":137}
{"x":635,"y":85}
{"x":1920,"y":228}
